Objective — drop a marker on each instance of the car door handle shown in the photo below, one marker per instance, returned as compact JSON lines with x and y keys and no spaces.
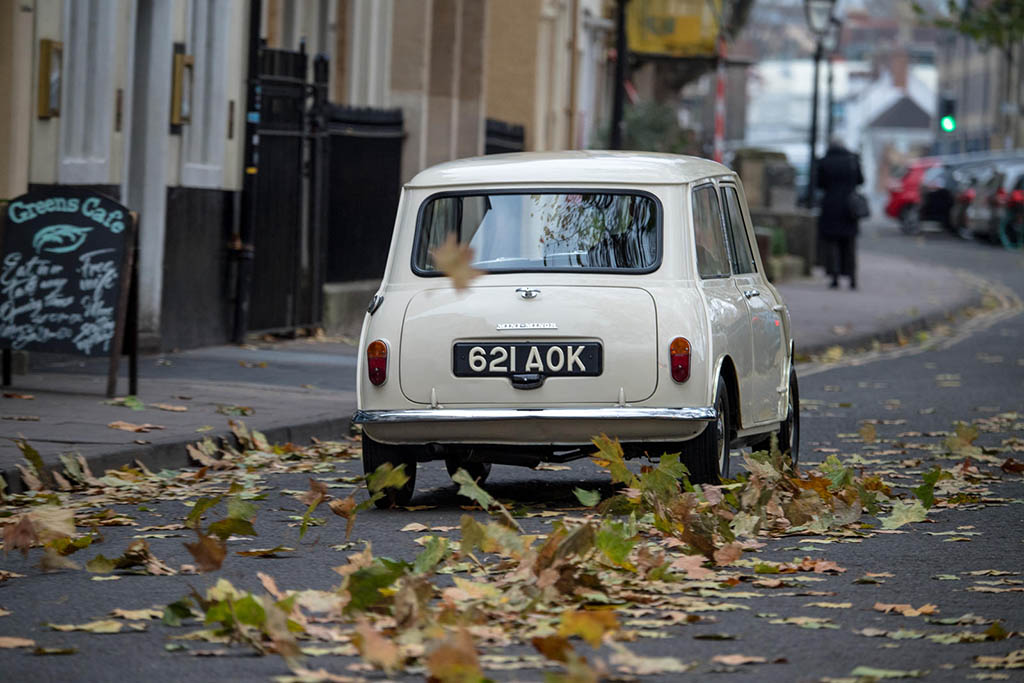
{"x":751,"y":293}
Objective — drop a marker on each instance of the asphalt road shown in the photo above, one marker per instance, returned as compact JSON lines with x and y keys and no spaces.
{"x":911,"y":392}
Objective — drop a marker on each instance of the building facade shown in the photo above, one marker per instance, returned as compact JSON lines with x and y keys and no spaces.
{"x":987,"y":95}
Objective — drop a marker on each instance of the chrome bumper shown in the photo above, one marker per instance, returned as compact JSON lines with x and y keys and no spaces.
{"x":440,"y":415}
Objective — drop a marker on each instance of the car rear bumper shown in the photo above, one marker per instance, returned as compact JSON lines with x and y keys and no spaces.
{"x":542,"y":426}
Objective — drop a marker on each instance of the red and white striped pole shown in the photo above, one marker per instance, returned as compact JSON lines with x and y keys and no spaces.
{"x":720,"y":101}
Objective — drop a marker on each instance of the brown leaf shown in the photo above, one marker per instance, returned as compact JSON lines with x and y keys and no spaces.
{"x":728,"y":554}
{"x":455,"y":660}
{"x":905,"y":609}
{"x":270,"y":585}
{"x":130,"y":427}
{"x":455,"y":260}
{"x":868,"y":433}
{"x":52,"y":561}
{"x":1011,"y":466}
{"x":20,"y":535}
{"x":317,"y":493}
{"x":7,"y":642}
{"x":692,"y":565}
{"x":377,"y":650}
{"x":208,"y":551}
{"x":555,"y":648}
{"x":345,"y":507}
{"x":26,"y":397}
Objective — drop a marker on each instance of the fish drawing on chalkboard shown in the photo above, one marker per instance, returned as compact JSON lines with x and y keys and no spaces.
{"x":60,"y":239}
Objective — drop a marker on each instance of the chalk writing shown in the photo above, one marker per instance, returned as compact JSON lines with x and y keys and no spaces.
{"x":60,"y":273}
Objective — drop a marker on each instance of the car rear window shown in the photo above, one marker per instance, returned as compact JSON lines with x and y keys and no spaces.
{"x":558,"y":231}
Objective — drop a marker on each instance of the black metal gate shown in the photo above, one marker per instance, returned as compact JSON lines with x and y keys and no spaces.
{"x":288,"y":207}
{"x":365,"y":149}
{"x":501,"y":137}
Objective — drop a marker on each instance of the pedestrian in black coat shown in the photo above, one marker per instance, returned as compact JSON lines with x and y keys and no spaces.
{"x":839,"y":174}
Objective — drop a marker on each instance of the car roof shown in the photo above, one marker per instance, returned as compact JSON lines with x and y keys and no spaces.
{"x":570,"y":168}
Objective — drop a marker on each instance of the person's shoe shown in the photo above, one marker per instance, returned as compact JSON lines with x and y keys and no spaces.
{"x":853,"y":285}
{"x":834,"y":285}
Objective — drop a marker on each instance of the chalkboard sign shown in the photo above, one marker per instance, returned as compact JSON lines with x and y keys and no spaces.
{"x":66,"y":269}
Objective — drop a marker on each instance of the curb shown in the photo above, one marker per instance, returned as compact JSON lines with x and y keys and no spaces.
{"x":173,"y":454}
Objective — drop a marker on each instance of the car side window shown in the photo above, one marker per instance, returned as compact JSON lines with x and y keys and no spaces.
{"x":712,"y":257}
{"x":739,"y":244}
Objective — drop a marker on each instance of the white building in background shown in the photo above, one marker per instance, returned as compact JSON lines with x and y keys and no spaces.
{"x":881,"y":117}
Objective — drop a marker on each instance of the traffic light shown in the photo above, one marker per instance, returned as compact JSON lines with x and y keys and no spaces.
{"x":947,"y":114}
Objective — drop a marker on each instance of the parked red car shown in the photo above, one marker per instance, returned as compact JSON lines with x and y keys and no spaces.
{"x":905,"y":197}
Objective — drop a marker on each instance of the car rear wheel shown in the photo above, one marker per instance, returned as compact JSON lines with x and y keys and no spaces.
{"x":707,"y":456}
{"x":376,"y":454}
{"x":478,"y":471}
{"x":789,"y":434}
{"x":910,"y":219}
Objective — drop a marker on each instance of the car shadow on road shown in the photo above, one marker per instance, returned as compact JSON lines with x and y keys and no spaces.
{"x":522,"y":494}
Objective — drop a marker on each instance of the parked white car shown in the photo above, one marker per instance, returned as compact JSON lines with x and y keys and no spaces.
{"x":622,"y":293}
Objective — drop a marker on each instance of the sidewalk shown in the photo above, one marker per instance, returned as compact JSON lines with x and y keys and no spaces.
{"x":298,"y":389}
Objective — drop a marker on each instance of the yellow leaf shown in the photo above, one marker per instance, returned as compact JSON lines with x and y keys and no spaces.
{"x":590,"y":625}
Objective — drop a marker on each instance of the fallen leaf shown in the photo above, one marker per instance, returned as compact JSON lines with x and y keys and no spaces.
{"x":24,"y":397}
{"x":170,"y":407}
{"x":265,"y":552}
{"x":130,"y":427}
{"x":590,"y":625}
{"x":693,"y":566}
{"x":377,"y":650}
{"x":7,"y":642}
{"x":455,"y":660}
{"x":737,"y":660}
{"x":101,"y":626}
{"x":906,"y":609}
{"x":871,"y":673}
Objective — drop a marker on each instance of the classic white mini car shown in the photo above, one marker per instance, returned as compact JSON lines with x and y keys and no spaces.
{"x":620,"y":293}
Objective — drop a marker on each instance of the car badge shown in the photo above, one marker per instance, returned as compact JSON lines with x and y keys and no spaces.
{"x":528,"y":292}
{"x":527,"y":326}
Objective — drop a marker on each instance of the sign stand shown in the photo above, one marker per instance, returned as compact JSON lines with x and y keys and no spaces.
{"x":69,"y":266}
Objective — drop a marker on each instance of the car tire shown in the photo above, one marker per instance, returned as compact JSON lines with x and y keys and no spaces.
{"x":789,"y":434}
{"x":910,"y":219}
{"x":707,"y":455}
{"x":376,"y":454}
{"x":478,"y":471}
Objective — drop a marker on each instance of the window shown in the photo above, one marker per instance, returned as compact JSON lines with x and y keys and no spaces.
{"x":712,"y":259}
{"x":87,"y":114}
{"x":511,"y":232}
{"x":740,"y":254}
{"x":203,"y":139}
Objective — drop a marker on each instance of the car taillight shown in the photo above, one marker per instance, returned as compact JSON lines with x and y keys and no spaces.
{"x":1017,"y":197}
{"x":679,"y":358}
{"x":1000,"y":197}
{"x":377,"y":362}
{"x":968,"y":195}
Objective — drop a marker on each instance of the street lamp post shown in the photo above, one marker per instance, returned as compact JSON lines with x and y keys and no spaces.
{"x":819,"y":17}
{"x":831,"y":46}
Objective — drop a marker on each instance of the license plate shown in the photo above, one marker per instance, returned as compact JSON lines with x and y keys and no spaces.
{"x":555,"y":359}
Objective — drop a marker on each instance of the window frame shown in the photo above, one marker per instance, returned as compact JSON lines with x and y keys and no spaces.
{"x":745,"y":228}
{"x":659,"y":213}
{"x":694,"y":189}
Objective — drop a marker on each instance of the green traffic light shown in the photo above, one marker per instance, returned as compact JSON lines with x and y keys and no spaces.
{"x":947,"y":123}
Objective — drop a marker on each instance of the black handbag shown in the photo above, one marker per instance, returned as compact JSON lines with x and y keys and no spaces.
{"x":857,"y":204}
